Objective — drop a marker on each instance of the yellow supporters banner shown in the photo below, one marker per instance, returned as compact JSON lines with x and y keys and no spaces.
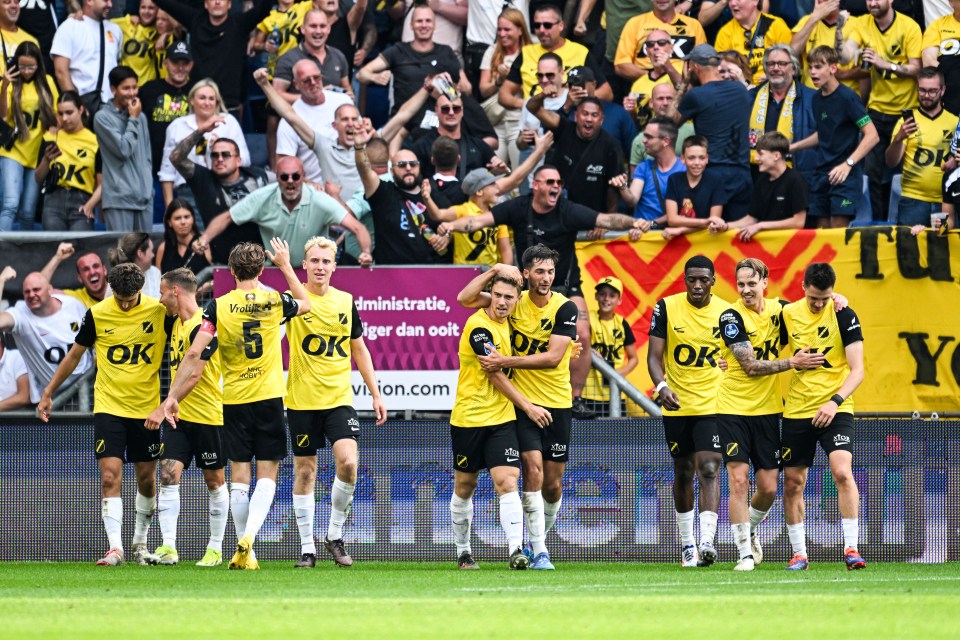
{"x":904,"y":289}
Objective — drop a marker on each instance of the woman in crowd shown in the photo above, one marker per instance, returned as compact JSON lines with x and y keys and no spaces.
{"x":27,"y":96}
{"x":734,"y":66}
{"x":137,"y":247}
{"x":69,"y":169}
{"x":511,"y":35}
{"x":179,"y":231}
{"x":206,"y":106}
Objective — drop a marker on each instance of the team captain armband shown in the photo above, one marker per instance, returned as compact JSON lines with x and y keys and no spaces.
{"x":864,"y":121}
{"x":208,"y":327}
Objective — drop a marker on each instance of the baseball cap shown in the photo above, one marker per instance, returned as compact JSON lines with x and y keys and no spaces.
{"x":179,"y":50}
{"x":582,"y":72}
{"x":704,"y":54}
{"x":611,"y":282}
{"x":476,"y":180}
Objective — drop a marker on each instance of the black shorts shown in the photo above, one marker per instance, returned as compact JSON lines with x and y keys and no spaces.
{"x":124,"y":438}
{"x":690,"y":434}
{"x":799,"y":439}
{"x":254,"y":429}
{"x":194,"y":441}
{"x":553,"y":440}
{"x":476,"y":448}
{"x":753,"y":439}
{"x":836,"y":199}
{"x":311,"y":428}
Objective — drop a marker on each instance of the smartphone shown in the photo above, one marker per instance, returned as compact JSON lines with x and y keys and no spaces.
{"x":577,"y":81}
{"x":907,"y":114}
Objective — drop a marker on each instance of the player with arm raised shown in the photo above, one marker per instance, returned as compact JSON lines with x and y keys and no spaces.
{"x":247,"y":322}
{"x":320,"y":398}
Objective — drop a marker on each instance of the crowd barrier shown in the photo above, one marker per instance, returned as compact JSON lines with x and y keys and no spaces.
{"x":617,"y":501}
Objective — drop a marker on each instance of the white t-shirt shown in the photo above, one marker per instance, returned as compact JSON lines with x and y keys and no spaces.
{"x":11,"y":368}
{"x":482,"y":18}
{"x":183,"y":127}
{"x":79,"y":40}
{"x":320,"y":119}
{"x":529,"y":121}
{"x":44,"y":342}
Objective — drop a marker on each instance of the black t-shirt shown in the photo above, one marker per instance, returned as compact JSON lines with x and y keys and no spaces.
{"x":839,"y":117}
{"x":557,"y":229}
{"x":695,"y":202}
{"x":213,"y":198}
{"x":410,"y":67}
{"x":720,"y":112}
{"x":586,"y":166}
{"x":779,"y":199}
{"x":162,"y":104}
{"x":37,"y":19}
{"x":474,"y":153}
{"x":446,"y":193}
{"x":475,"y":122}
{"x":397,"y":216}
{"x":339,"y":37}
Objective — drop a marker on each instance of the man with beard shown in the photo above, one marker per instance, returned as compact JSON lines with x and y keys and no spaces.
{"x":544,"y":217}
{"x":403,"y":236}
{"x":290,"y":211}
{"x":90,"y":272}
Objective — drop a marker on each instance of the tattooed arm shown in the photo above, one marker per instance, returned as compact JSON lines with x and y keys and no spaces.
{"x":180,"y":156}
{"x":743,"y":352}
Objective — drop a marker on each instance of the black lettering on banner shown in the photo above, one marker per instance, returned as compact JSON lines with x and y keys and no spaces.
{"x":907,"y":249}
{"x":122,"y":354}
{"x":252,"y":341}
{"x":315,"y":345}
{"x":927,"y":362}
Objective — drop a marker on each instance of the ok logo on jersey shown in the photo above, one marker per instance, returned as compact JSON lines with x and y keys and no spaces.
{"x":329,"y":346}
{"x":527,"y":346}
{"x":686,"y":355}
{"x":135,"y":354}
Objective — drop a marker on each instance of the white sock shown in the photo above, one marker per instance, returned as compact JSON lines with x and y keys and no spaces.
{"x":341,"y":497}
{"x":685,"y":526}
{"x":511,"y":519}
{"x":550,"y":511}
{"x":756,"y":517}
{"x":219,"y":506}
{"x":144,"y":507}
{"x":798,"y":538}
{"x":533,"y":514}
{"x":305,"y":507}
{"x":260,"y":503}
{"x":168,"y":511}
{"x":111,"y":510}
{"x":851,"y":532}
{"x":239,"y":506}
{"x":708,"y":526}
{"x":741,"y":537}
{"x":461,"y":515}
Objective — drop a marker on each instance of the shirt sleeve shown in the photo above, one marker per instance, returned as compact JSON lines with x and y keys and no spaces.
{"x":849,"y":324}
{"x":565,"y":322}
{"x":480,"y":337}
{"x":209,"y":323}
{"x":290,"y":305}
{"x":356,"y":326}
{"x":731,"y":328}
{"x":247,"y":209}
{"x":913,"y":42}
{"x":658,"y":321}
{"x":88,"y":331}
{"x":168,"y":322}
{"x":628,"y":337}
{"x":582,"y":218}
{"x":514,"y":74}
{"x":208,"y":350}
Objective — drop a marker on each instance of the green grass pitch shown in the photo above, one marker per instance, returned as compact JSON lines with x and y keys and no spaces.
{"x":435,"y":600}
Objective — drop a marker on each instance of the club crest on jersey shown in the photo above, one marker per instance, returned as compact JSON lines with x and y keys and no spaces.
{"x":147,"y":327}
{"x":545,"y":324}
{"x":343,"y":318}
{"x":731,"y":331}
{"x":716,"y":332}
{"x":822,"y":332}
{"x":74,"y":326}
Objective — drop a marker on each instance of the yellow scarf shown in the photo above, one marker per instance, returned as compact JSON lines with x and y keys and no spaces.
{"x":758,"y":116}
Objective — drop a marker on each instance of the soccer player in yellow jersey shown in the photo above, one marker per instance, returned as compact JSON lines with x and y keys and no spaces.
{"x":126,"y":332}
{"x":819,"y":408}
{"x":247,"y":322}
{"x":749,"y":403}
{"x":197,"y":435}
{"x":612,"y":338}
{"x":543,"y":327}
{"x":483,"y":428}
{"x":683,"y":359}
{"x":320,"y":398}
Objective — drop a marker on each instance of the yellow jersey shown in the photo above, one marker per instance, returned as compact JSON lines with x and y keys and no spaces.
{"x":823,"y":34}
{"x":739,"y":394}
{"x":767,"y":31}
{"x":478,"y":402}
{"x":609,"y":338}
{"x":572,"y":54}
{"x":926,"y":150}
{"x":129,"y":349}
{"x":77,"y":163}
{"x":685,"y":32}
{"x":691,"y":352}
{"x":319,"y":373}
{"x":530,"y":330}
{"x":288,"y":25}
{"x":204,"y":403}
{"x":480,"y":246}
{"x":247,"y":323}
{"x":829,"y":333}
{"x":11,"y":40}
{"x":27,"y":151}
{"x":139,"y":50}
{"x":889,"y":92}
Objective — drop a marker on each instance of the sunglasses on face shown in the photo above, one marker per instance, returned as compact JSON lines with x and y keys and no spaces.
{"x":548,"y":76}
{"x":552,"y":182}
{"x":543,"y":25}
{"x":451,"y":108}
{"x":403,"y":164}
{"x":289,"y":177}
{"x":216,"y":155}
{"x":659,"y":43}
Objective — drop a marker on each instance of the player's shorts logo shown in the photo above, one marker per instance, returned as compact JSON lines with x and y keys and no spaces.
{"x":674,"y":446}
{"x":733,"y":448}
{"x":461,"y":460}
{"x":100,"y":446}
{"x":303,"y":440}
{"x":787,"y":454}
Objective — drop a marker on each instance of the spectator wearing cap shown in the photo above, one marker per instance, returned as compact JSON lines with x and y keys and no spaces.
{"x":483,"y":190}
{"x":726,"y":129}
{"x":752,"y":32}
{"x":612,"y":339}
{"x":587,"y":157}
{"x":582,"y":83}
